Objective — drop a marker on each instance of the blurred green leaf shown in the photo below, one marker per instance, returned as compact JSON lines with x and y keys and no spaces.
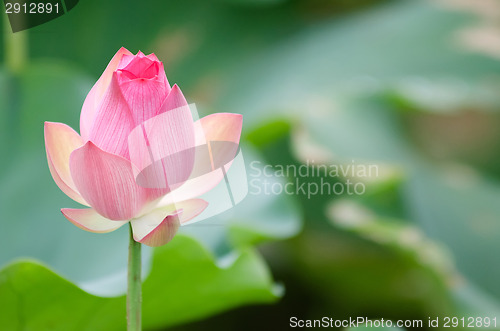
{"x":259,"y":217}
{"x":346,"y":99}
{"x":401,"y":254}
{"x":185,"y":284}
{"x":460,"y":207}
{"x":350,"y":272}
{"x":411,"y":48}
{"x":4,"y":114}
{"x":255,"y":2}
{"x":452,"y":206}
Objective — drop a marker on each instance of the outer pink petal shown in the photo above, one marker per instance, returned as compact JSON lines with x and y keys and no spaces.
{"x":174,"y":100}
{"x":162,"y":77}
{"x":107,"y":182}
{"x":96,"y":93}
{"x":159,"y":226}
{"x":162,"y":148}
{"x":217,"y":138}
{"x":113,"y":122}
{"x":125,"y":60}
{"x":161,"y":232}
{"x":60,"y":141}
{"x":219,"y":127}
{"x":211,"y":130}
{"x":90,"y":220}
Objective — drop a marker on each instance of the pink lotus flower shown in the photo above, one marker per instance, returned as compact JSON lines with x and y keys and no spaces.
{"x":136,"y":158}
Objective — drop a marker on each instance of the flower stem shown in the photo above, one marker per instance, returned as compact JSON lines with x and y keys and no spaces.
{"x":16,"y":47}
{"x":134,"y":296}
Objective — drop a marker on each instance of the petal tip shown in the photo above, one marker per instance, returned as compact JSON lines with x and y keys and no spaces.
{"x":162,"y":233}
{"x":89,"y":220}
{"x":123,"y":49}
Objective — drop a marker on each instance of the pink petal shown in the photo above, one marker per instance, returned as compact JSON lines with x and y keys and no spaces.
{"x":190,"y":209}
{"x":222,"y":132}
{"x":219,"y":127}
{"x":217,"y":141}
{"x":90,"y":220}
{"x":125,"y":60}
{"x":160,"y":225}
{"x":96,"y":93}
{"x":60,"y":141}
{"x":161,"y":233}
{"x":138,"y":65}
{"x":144,"y":96}
{"x":114,"y":121}
{"x":152,"y":71}
{"x":158,"y":69}
{"x":107,"y":182}
{"x":162,"y":148}
{"x":174,"y":100}
{"x":152,"y":57}
{"x":162,"y":77}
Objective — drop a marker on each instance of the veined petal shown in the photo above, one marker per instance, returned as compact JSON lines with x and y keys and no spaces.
{"x":219,"y":127}
{"x":162,"y":148}
{"x":175,"y":99}
{"x":160,"y":225}
{"x":106,"y":181}
{"x":95,"y":95}
{"x":162,"y":76}
{"x":152,"y":57}
{"x":138,"y":65}
{"x":156,"y":67}
{"x":144,"y":96}
{"x":217,"y":141}
{"x":113,"y":122}
{"x":161,"y":228}
{"x":60,"y":141}
{"x":125,"y":60}
{"x":90,"y":220}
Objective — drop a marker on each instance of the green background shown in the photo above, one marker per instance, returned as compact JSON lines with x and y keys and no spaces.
{"x":409,"y":86}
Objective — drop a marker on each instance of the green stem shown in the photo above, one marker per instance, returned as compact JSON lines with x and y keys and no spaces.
{"x":16,"y":47}
{"x":134,"y":296}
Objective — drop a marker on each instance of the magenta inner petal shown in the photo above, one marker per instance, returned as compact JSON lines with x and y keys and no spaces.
{"x":142,"y":67}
